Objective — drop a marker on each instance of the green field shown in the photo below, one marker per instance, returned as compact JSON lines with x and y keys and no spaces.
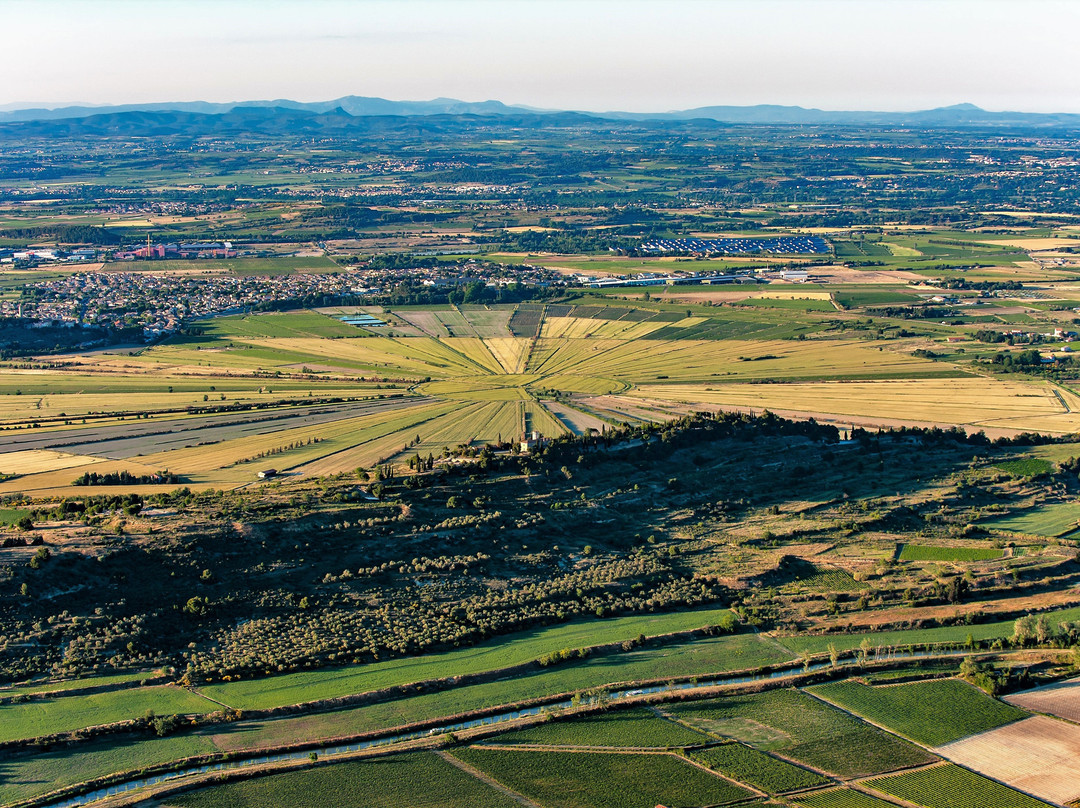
{"x":639,"y":727}
{"x":802,"y":729}
{"x":949,"y":635}
{"x":289,"y":324}
{"x":49,"y":716}
{"x":418,"y":780}
{"x":1026,"y":467}
{"x":751,"y":766}
{"x":787,"y":303}
{"x":598,"y":780}
{"x":514,"y":649}
{"x":77,"y":684}
{"x":926,"y":552}
{"x":930,"y":713}
{"x":688,"y":659}
{"x":11,"y":516}
{"x":25,"y":776}
{"x":1044,"y":520}
{"x":950,"y":786}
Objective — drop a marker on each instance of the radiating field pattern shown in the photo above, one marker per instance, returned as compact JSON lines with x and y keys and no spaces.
{"x":304,"y":393}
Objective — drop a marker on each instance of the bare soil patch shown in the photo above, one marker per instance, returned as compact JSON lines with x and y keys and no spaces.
{"x":1037,"y":755}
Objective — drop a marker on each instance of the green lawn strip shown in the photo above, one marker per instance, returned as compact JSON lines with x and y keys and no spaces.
{"x":28,"y":688}
{"x":819,"y":644}
{"x":802,"y":729}
{"x":25,"y":776}
{"x":698,"y":657}
{"x":48,"y":716}
{"x":930,"y":713}
{"x":756,"y":768}
{"x":638,"y":727}
{"x":926,"y":552}
{"x":951,"y":786}
{"x":841,"y":798}
{"x":503,"y":652}
{"x":1045,"y":520}
{"x":418,"y":780}
{"x":600,"y":780}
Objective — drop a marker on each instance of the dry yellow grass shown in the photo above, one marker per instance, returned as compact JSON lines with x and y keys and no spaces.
{"x":966,"y":401}
{"x":510,"y":352}
{"x":58,"y":481}
{"x":791,"y":294}
{"x":33,"y":461}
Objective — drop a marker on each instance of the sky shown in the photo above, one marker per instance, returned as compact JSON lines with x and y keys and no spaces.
{"x":596,"y":55}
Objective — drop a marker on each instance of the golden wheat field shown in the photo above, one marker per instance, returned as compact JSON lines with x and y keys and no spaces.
{"x":303,"y":394}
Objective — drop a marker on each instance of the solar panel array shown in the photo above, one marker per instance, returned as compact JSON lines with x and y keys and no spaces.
{"x":786,"y":245}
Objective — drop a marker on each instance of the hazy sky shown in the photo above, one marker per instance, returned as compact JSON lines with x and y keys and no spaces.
{"x":650,"y":55}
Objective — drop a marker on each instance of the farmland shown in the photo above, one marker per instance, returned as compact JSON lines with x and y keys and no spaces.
{"x":762,"y":771}
{"x":629,"y":728}
{"x":922,"y":552}
{"x":423,"y":780}
{"x":841,"y":798}
{"x":1054,"y":519}
{"x":49,"y":716}
{"x":1035,"y":755}
{"x":505,"y":652}
{"x":312,"y":520}
{"x":403,"y":387}
{"x":948,"y":635}
{"x":949,"y":786}
{"x":801,"y":729}
{"x":602,"y":780}
{"x":929,"y":713}
{"x":1060,"y":699}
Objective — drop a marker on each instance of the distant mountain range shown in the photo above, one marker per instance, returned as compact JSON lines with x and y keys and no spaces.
{"x":363,"y":114}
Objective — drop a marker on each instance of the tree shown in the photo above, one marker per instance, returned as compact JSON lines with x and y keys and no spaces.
{"x":1023,"y":630}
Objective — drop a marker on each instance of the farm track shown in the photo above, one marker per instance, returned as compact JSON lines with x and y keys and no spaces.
{"x":122,"y":441}
{"x":491,"y":781}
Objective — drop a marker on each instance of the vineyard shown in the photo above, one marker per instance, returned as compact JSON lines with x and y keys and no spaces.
{"x":841,"y":798}
{"x":803,"y":729}
{"x":602,"y":780}
{"x":930,"y":713}
{"x":770,"y":774}
{"x":949,"y":786}
{"x":419,"y":779}
{"x":924,"y":552}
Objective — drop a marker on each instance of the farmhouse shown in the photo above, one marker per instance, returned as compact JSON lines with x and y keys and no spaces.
{"x":533,"y":441}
